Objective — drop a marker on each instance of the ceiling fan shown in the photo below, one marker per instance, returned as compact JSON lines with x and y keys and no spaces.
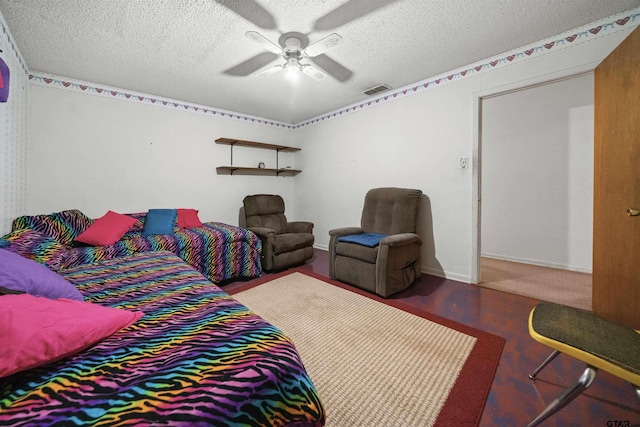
{"x":293,"y":53}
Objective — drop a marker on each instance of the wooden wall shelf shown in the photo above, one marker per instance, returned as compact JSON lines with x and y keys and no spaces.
{"x":256,"y":171}
{"x":277,"y":171}
{"x":253,"y":144}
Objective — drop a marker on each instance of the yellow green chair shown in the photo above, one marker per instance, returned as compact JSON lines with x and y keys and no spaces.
{"x":599,"y":343}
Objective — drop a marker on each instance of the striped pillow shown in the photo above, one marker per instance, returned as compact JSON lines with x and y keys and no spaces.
{"x":36,"y":246}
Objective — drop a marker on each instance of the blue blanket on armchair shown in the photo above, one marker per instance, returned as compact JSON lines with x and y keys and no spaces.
{"x":365,"y":239}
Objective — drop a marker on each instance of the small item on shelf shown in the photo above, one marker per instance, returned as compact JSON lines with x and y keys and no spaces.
{"x":261,"y":165}
{"x":4,"y":81}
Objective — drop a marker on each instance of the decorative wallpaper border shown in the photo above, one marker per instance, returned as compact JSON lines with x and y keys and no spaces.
{"x":50,"y":80}
{"x":573,"y":37}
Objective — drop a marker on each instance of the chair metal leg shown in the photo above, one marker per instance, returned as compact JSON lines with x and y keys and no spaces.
{"x":546,"y":361}
{"x":586,"y":379}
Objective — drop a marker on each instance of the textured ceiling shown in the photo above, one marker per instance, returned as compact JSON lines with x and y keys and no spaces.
{"x":196,"y":50}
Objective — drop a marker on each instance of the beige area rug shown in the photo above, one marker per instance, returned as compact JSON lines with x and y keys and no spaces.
{"x":373,"y":364}
{"x":566,"y":287}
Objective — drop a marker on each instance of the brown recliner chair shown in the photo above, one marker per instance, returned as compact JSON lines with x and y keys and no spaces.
{"x":383,"y":254}
{"x":284,"y":243}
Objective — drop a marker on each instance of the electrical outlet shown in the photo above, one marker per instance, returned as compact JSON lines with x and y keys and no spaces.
{"x":463,"y":162}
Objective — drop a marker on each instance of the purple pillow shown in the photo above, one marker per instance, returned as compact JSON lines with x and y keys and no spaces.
{"x":22,"y":274}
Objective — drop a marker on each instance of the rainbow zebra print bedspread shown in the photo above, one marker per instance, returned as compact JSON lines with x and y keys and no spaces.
{"x":219,"y":251}
{"x":196,"y":358}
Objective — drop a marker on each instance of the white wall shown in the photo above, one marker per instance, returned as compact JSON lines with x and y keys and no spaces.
{"x":94,"y":154}
{"x":415,"y":142}
{"x":14,"y":134}
{"x":537,"y":175}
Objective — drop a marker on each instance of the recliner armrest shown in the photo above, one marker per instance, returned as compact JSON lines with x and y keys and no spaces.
{"x":345,"y":231}
{"x":299,"y":227}
{"x":263,"y":232}
{"x":401,"y":239}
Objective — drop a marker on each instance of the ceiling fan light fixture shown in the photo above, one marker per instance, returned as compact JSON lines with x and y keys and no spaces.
{"x":292,"y":53}
{"x":292,"y":65}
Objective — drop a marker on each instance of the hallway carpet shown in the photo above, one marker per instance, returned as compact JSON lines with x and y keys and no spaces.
{"x":566,"y":287}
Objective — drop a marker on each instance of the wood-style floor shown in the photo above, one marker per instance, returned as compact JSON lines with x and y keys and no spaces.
{"x":515,"y":399}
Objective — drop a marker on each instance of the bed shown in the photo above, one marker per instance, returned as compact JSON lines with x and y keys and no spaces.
{"x":221,"y":252}
{"x":196,"y":357}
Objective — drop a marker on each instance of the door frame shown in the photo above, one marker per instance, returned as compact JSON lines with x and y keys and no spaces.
{"x":476,"y":194}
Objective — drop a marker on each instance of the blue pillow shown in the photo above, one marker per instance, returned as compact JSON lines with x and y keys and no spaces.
{"x":365,"y":239}
{"x":21,"y":274}
{"x":160,"y":221}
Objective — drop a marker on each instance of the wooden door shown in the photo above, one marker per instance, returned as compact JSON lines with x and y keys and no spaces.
{"x":616,"y":234}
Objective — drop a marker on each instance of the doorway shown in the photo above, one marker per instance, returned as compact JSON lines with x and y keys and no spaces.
{"x":536,"y":190}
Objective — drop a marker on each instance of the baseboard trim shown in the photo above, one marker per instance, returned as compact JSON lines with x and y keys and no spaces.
{"x":446,"y":275}
{"x":321,"y":247}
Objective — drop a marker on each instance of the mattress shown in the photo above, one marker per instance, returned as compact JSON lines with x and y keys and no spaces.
{"x":197,"y":357}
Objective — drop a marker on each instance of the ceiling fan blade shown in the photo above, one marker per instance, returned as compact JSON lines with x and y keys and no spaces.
{"x":313,"y":72}
{"x":329,"y":42}
{"x":269,"y":71}
{"x":262,"y":40}
{"x":333,"y":68}
{"x":349,"y":11}
{"x":251,"y":11}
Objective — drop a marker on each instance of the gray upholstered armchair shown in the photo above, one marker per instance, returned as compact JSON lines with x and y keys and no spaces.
{"x":284,"y":243}
{"x":383,"y":254}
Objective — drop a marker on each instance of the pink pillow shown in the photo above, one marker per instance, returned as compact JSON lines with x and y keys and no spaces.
{"x":106,"y":230}
{"x":188,"y":218}
{"x":35,"y":331}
